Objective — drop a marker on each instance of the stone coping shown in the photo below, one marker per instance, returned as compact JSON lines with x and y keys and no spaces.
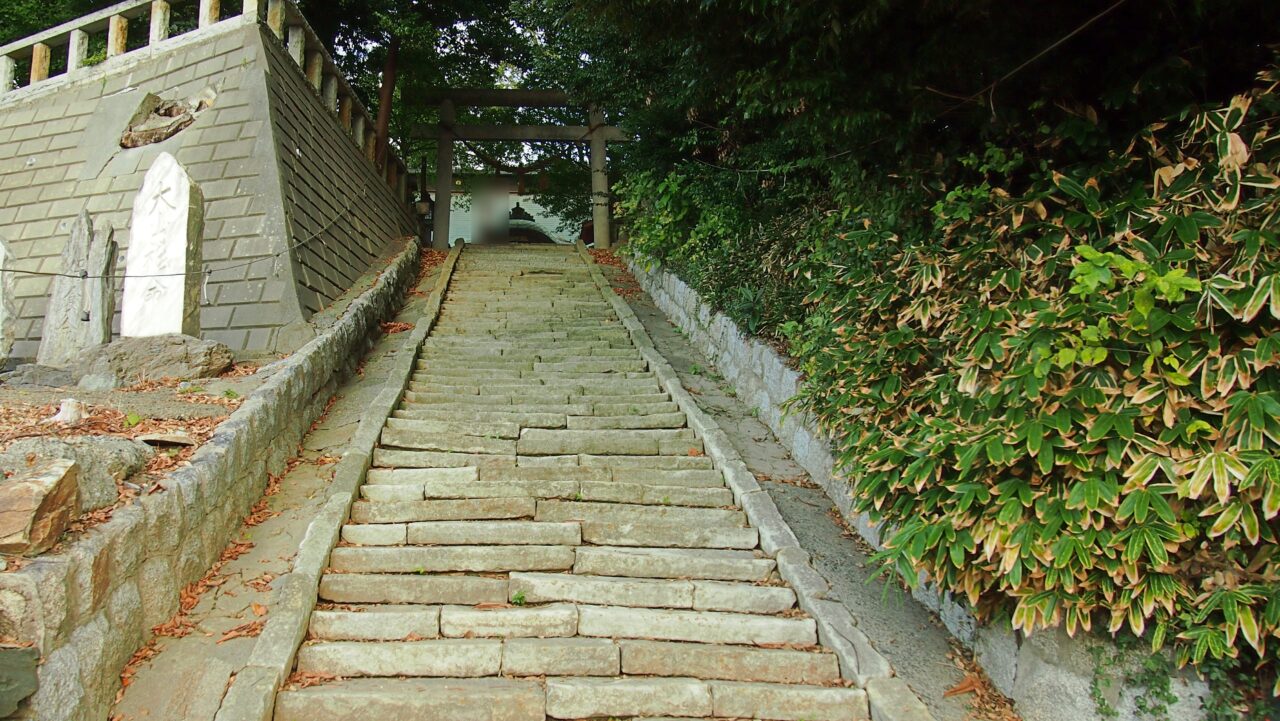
{"x":89,"y":607}
{"x":251,"y":696}
{"x":1048,"y":675}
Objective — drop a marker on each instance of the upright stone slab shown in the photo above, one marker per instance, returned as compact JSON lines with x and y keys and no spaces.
{"x":162,"y":267}
{"x":81,"y":306}
{"x":7,"y":308}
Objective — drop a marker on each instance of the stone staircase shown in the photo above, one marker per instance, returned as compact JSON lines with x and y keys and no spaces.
{"x":541,"y":536}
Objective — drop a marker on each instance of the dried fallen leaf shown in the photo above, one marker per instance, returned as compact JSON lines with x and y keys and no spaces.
{"x":244,"y":630}
{"x":258,"y":609}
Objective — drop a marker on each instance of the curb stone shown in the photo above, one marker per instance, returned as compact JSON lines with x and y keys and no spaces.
{"x":251,"y":696}
{"x":859,"y":661}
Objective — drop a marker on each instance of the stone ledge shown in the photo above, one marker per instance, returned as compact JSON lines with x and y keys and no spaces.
{"x":84,"y":609}
{"x":1047,"y":675}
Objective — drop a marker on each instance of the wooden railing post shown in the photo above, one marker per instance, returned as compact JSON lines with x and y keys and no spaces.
{"x":276,"y":15}
{"x":159,"y":21}
{"x":77,"y":50}
{"x":297,"y":43}
{"x":117,"y":35}
{"x":210,"y":12}
{"x":370,"y":144}
{"x":315,"y":68}
{"x":8,"y":66}
{"x":40,"y":55}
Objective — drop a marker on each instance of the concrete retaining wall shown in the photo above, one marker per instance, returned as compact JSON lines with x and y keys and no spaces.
{"x":279,"y":172}
{"x":1048,"y":674}
{"x":89,"y":607}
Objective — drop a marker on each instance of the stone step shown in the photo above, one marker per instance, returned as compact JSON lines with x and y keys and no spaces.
{"x":692,"y":478}
{"x":476,"y":489}
{"x":425,"y":382}
{"x":552,"y":620}
{"x":456,"y":428}
{"x":444,"y":510}
{"x":551,"y":402}
{"x":535,"y":587}
{"x":544,"y":442}
{"x":583,"y":698}
{"x":715,"y":564}
{"x":403,"y":476}
{"x":446,"y":442}
{"x":560,"y":657}
{"x":656,"y":420}
{"x":400,"y":458}
{"x":732,"y":663}
{"x":411,"y":588}
{"x":376,"y":623}
{"x":671,"y":535}
{"x":616,"y":365}
{"x":591,"y":511}
{"x":615,"y":492}
{"x":786,"y":702}
{"x":471,"y":415}
{"x":419,"y":699}
{"x":647,"y":463}
{"x":447,"y":402}
{"x":462,"y":533}
{"x":698,"y":626}
{"x":443,"y":657}
{"x":450,"y":559}
{"x":613,"y":404}
{"x":546,"y":473}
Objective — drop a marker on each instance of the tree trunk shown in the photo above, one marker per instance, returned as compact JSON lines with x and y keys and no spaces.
{"x":386,"y":95}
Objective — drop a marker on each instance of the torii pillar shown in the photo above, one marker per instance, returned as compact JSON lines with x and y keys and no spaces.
{"x":444,"y":177}
{"x":599,"y":181}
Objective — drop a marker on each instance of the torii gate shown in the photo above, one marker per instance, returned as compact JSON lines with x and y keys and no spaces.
{"x":597,"y":134}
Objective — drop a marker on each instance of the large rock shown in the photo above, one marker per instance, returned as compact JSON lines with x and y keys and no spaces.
{"x":125,"y":361}
{"x":17,"y":676}
{"x":80,"y":308}
{"x":36,"y":506}
{"x":8,"y":313}
{"x":30,"y":374}
{"x":103,"y":461}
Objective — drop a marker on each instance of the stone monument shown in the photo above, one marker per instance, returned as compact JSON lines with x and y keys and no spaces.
{"x":81,"y":306}
{"x":7,"y":306}
{"x":162,"y":266}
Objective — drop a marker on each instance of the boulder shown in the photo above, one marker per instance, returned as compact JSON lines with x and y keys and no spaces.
{"x":17,"y":676}
{"x":30,"y":374}
{"x":126,"y":361}
{"x":37,"y":505}
{"x":103,"y":461}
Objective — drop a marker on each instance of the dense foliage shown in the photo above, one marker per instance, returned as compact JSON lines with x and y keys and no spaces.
{"x":1032,"y":301}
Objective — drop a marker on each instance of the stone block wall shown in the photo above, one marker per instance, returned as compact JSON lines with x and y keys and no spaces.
{"x":90,"y":605}
{"x":273,"y":164}
{"x":1047,"y":674}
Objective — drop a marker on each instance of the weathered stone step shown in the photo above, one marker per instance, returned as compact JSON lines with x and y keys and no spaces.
{"x":444,"y":510}
{"x":546,"y":473}
{"x":446,"y":442}
{"x":583,"y":698}
{"x":442,"y":657}
{"x":732,"y":663}
{"x":691,"y":478}
{"x":616,"y":492}
{"x":398,"y":458}
{"x":552,"y":510}
{"x":420,"y":699}
{"x":646,"y":463}
{"x":552,"y":620}
{"x":656,"y":420}
{"x":401,"y":476}
{"x":674,"y":535}
{"x":479,"y":533}
{"x":785,"y":702}
{"x":544,"y":442}
{"x":430,"y":383}
{"x":560,"y":657}
{"x":474,"y":489}
{"x":616,"y":365}
{"x":450,"y":559}
{"x":717,"y":564}
{"x":535,"y":587}
{"x":376,"y":623}
{"x":470,"y":415}
{"x":659,"y":404}
{"x":490,"y":429}
{"x":411,"y":588}
{"x":699,"y":626}
{"x":547,"y":402}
